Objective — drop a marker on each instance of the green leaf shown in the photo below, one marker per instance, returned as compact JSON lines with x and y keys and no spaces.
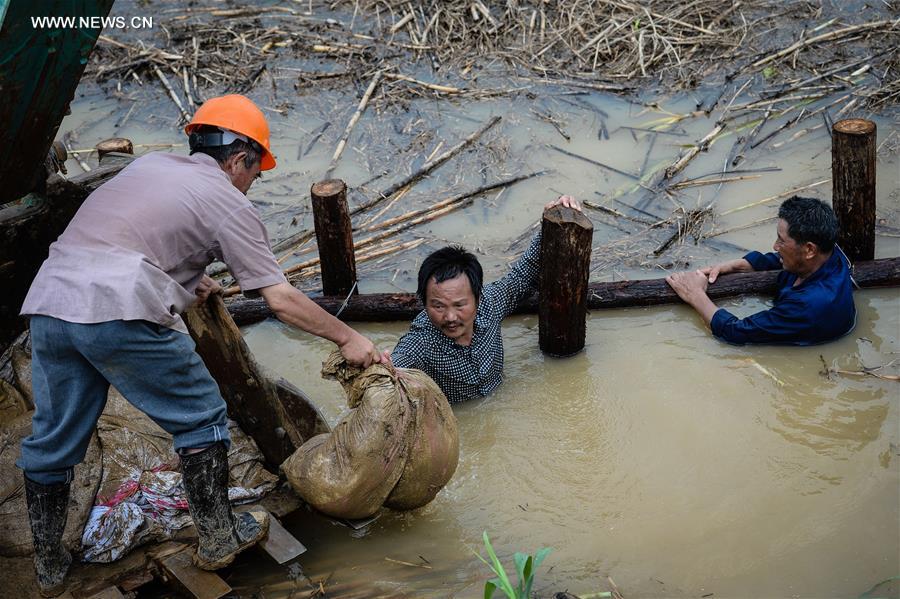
{"x":540,"y":555}
{"x":532,"y":566}
{"x":489,"y":588}
{"x":498,"y":569}
{"x":769,"y":72}
{"x":523,"y":564}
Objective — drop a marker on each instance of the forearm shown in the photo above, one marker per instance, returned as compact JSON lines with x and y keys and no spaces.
{"x":293,"y":307}
{"x":703,"y":305}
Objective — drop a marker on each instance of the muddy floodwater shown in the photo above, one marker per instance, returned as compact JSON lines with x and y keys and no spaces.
{"x":674,"y":463}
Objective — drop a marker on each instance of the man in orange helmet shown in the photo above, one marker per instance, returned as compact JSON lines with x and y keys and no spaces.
{"x":106,"y":310}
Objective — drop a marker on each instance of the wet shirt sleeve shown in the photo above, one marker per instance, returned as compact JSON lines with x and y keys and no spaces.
{"x":760,"y":261}
{"x":245,"y":249}
{"x":408,"y":352}
{"x":788,"y":322}
{"x":521,"y":279}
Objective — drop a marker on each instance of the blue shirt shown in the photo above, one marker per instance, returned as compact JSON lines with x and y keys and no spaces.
{"x":817,"y":310}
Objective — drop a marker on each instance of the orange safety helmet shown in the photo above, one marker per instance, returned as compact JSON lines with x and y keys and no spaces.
{"x":239,"y":114}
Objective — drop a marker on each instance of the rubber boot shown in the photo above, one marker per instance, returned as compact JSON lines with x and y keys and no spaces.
{"x":222,"y":533}
{"x":47,"y":510}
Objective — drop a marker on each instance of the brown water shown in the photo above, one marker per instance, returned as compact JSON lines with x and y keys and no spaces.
{"x":676,"y":464}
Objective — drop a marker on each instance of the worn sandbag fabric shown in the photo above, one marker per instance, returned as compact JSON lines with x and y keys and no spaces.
{"x":356,"y":469}
{"x":435,"y":451}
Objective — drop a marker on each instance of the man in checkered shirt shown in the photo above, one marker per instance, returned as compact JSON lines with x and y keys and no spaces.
{"x":456,"y":339}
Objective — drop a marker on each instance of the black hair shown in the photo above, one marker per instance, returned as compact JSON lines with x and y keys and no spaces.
{"x":222,"y":153}
{"x":448,"y":263}
{"x":809,"y":219}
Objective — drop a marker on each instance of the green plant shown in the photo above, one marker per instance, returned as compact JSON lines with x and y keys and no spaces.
{"x":525,"y":567}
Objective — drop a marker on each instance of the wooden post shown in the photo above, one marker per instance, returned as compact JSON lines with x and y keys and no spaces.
{"x":853,"y":186}
{"x":114,"y":144}
{"x":565,"y":267}
{"x":334,"y":235}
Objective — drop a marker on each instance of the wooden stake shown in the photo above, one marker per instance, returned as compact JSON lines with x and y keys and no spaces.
{"x":334,"y":236}
{"x":853,"y":186}
{"x":565,"y":267}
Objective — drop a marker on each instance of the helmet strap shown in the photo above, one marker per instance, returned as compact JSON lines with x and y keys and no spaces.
{"x":214,"y":139}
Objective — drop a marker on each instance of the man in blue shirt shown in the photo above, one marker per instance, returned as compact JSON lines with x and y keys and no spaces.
{"x":814,"y":301}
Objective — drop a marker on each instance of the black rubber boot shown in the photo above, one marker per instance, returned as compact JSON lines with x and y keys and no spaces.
{"x":47,"y":510}
{"x":222,"y":533}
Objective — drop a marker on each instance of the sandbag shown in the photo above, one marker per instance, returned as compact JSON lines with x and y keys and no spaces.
{"x":349,"y":472}
{"x":435,"y":451}
{"x":398,"y":446}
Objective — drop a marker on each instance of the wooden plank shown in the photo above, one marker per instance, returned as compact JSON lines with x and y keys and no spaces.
{"x":277,"y":417}
{"x":108,"y":593}
{"x":198,"y":583}
{"x":281,"y":545}
{"x":360,"y":523}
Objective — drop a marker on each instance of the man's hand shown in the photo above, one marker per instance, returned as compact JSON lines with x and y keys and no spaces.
{"x":689,"y":285}
{"x":567,"y":201}
{"x":359,"y":351}
{"x":205,"y":288}
{"x":713,"y":272}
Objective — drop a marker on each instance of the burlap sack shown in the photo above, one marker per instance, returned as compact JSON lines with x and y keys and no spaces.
{"x":435,"y":451}
{"x":349,"y":472}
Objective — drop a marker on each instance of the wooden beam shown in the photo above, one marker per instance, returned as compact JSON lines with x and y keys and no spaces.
{"x":384,"y":307}
{"x":277,"y":415}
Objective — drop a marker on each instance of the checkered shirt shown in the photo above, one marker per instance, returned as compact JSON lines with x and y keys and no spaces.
{"x":463,"y":372}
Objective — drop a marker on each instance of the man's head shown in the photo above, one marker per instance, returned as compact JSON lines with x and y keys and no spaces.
{"x":234,"y":131}
{"x":239,"y":156}
{"x":807,"y":232}
{"x":450,"y":286}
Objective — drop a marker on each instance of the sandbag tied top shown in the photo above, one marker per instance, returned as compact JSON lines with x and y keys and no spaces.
{"x":354,"y":379}
{"x":398,"y":445}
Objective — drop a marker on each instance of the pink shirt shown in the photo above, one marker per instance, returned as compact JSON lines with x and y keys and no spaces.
{"x":138,"y":246}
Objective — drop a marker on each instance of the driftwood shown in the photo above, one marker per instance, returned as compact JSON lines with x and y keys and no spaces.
{"x":277,"y":415}
{"x":383,"y":307}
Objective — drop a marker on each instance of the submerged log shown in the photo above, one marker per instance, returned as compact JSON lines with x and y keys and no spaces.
{"x":277,"y":415}
{"x":853,"y":186}
{"x":383,"y":307}
{"x":566,"y":236}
